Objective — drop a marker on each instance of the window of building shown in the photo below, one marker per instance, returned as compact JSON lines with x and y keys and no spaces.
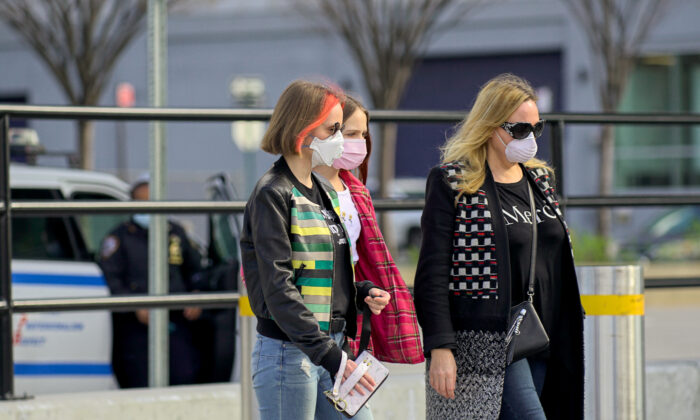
{"x":660,"y":155}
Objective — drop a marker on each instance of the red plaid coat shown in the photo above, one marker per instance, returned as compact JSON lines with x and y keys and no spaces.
{"x":395,"y":336}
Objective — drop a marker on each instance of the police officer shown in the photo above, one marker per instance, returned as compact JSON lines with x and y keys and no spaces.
{"x":124,"y":262}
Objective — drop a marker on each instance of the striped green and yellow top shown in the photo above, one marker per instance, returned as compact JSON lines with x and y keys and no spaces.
{"x":312,"y":254}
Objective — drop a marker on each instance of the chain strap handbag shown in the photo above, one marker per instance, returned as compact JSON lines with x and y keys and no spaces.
{"x":340,"y":396}
{"x":526,"y":334}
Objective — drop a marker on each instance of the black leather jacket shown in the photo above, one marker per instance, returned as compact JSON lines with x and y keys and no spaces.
{"x":266,"y":250}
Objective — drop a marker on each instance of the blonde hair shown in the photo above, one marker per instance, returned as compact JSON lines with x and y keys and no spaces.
{"x":497,"y":100}
{"x":302,"y":107}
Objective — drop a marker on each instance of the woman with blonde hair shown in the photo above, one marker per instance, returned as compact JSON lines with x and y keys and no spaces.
{"x":477,"y":260}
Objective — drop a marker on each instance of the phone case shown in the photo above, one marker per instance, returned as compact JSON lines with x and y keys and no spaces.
{"x":350,"y":405}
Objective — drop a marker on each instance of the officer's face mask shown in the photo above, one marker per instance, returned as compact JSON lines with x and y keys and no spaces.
{"x":142,"y":220}
{"x":325,"y":152}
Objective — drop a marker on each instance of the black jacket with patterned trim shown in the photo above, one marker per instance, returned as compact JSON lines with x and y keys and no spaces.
{"x":461,"y":285}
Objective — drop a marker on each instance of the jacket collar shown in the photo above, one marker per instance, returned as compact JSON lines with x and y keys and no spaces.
{"x":281,"y":165}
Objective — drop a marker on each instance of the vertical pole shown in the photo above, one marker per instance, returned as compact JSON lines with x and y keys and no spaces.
{"x":613,"y":298}
{"x":6,"y":360}
{"x":246,"y":329}
{"x":558,"y":156}
{"x":158,"y":348}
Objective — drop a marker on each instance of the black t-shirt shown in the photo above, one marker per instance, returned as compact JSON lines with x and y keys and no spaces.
{"x":515,"y":204}
{"x":342,"y":267}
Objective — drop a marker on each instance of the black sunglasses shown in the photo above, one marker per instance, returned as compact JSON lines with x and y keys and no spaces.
{"x":520,"y":130}
{"x":337,"y":127}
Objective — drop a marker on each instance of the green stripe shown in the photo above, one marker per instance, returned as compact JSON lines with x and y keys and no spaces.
{"x":307,"y":281}
{"x":318,"y":308}
{"x":300,"y":247}
{"x":305,"y":215}
{"x":310,"y":207}
{"x":324,"y":265}
{"x":333,"y":195}
{"x":324,"y":325}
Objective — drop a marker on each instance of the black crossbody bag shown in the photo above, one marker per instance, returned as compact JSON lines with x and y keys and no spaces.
{"x":526,"y":335}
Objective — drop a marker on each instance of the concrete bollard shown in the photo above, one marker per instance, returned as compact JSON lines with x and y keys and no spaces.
{"x":613,"y":298}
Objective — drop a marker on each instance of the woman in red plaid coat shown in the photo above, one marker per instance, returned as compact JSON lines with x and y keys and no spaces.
{"x":395,"y":336}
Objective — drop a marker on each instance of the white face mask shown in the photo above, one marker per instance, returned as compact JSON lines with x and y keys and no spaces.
{"x":520,"y":151}
{"x":142,"y":220}
{"x":326,"y":151}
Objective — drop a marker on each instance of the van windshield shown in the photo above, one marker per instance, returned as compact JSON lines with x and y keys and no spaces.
{"x":40,"y":238}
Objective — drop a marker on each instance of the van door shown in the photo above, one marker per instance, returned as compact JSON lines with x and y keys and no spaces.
{"x":57,"y":351}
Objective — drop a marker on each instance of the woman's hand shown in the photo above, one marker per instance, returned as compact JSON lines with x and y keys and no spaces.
{"x":377,"y":300}
{"x":142,"y":316}
{"x":191,"y":313}
{"x":443,"y":372}
{"x":366,"y":381}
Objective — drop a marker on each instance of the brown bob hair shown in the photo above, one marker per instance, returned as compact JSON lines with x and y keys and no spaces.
{"x":302,"y":107}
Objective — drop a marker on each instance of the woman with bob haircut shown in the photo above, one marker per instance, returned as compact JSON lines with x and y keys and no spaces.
{"x":475,"y":262}
{"x":395,"y":336}
{"x":297,"y":264}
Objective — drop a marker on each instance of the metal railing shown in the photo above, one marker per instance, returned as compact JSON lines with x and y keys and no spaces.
{"x":9,"y":209}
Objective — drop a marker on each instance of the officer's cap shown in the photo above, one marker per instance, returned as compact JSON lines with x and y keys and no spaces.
{"x":143,"y":179}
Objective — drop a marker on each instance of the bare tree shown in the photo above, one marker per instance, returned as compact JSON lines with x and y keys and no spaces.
{"x":615,"y":30}
{"x":387,"y":38}
{"x":80,"y":41}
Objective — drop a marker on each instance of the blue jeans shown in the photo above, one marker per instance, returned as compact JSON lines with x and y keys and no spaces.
{"x":288,"y":386}
{"x":522,"y":388}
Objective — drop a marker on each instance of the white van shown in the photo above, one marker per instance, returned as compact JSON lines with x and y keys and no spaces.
{"x":54,"y":257}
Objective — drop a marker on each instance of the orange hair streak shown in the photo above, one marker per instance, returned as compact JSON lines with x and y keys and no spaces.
{"x":332,"y":99}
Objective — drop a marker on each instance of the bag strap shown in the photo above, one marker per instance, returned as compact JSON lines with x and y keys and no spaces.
{"x":366,"y":329}
{"x":339,"y":375}
{"x":533,"y":246}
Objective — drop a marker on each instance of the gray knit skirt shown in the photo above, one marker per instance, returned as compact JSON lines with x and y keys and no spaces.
{"x":481,"y":364}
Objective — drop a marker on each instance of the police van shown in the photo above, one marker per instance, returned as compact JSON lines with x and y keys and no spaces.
{"x":53,"y":257}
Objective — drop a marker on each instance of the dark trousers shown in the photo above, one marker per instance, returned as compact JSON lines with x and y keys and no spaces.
{"x":130,"y":352}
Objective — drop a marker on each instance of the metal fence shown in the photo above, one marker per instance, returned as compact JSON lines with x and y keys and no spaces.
{"x":9,"y":208}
